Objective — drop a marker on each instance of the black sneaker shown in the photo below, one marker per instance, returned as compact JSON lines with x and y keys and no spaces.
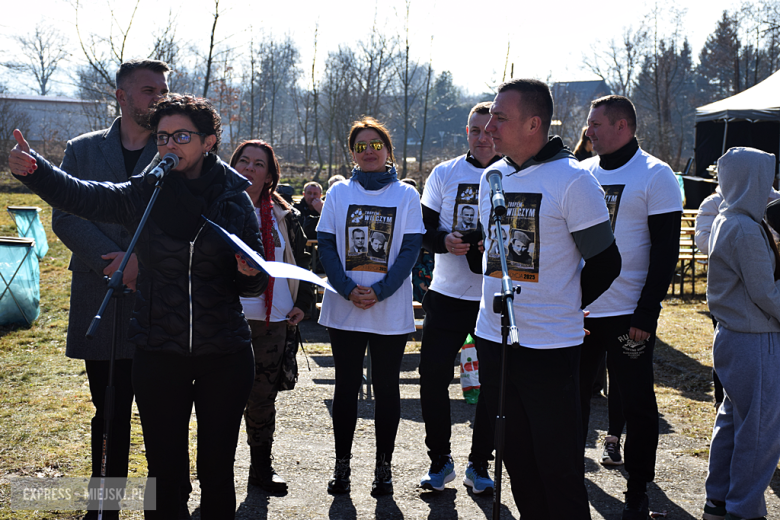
{"x":637,"y":506}
{"x":383,"y":479}
{"x":610,"y":456}
{"x":339,"y":484}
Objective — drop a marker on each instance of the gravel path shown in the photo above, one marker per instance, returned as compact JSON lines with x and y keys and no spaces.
{"x":304,"y":456}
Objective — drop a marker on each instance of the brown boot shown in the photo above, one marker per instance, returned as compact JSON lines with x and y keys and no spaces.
{"x":262,"y":474}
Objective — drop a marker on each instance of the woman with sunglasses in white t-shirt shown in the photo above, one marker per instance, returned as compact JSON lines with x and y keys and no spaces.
{"x":373,"y":306}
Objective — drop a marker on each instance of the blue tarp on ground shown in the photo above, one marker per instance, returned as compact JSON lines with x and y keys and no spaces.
{"x":20,"y":292}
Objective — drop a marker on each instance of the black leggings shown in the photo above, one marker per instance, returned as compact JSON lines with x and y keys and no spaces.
{"x":387,"y":352}
{"x":166,"y":386}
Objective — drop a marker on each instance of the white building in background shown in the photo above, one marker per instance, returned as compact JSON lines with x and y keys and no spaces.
{"x":48,"y":122}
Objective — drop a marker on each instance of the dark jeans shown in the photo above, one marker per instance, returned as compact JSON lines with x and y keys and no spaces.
{"x":166,"y":387}
{"x":543,"y":443}
{"x":448,"y":321}
{"x":119,"y":437}
{"x":631,"y":369}
{"x":387,"y":352}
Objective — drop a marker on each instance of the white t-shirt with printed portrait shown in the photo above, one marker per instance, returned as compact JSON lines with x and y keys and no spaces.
{"x":385,"y":216}
{"x":452,"y":189}
{"x":642,"y":187}
{"x":546,"y":203}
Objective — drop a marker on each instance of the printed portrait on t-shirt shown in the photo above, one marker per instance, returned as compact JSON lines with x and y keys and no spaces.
{"x":465,"y":211}
{"x":358,"y":241}
{"x":275,"y":235}
{"x":612,"y":194}
{"x":520,"y":233}
{"x":521,"y":247}
{"x":369,"y":235}
{"x":377,"y":245}
{"x":494,"y":250}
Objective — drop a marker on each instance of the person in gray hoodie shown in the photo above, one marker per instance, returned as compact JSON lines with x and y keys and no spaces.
{"x":744,"y":297}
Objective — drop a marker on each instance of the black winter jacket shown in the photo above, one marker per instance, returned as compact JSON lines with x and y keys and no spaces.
{"x":187,"y":298}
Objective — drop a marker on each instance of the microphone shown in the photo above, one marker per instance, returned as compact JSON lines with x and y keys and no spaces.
{"x":496,"y":192}
{"x":168,"y":163}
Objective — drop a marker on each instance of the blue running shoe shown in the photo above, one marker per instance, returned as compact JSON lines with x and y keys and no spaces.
{"x":442,"y":470}
{"x":478,"y":478}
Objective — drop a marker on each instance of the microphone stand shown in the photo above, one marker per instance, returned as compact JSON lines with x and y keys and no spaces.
{"x":503,"y":303}
{"x":116,"y":291}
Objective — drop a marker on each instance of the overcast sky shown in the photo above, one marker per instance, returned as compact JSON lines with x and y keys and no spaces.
{"x":546,"y":39}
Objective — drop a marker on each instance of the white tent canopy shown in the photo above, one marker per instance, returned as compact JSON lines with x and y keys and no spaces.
{"x":758,"y":103}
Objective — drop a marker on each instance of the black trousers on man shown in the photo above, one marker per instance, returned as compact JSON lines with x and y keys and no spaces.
{"x":543,"y":439}
{"x":448,"y":322}
{"x":119,"y":440}
{"x":630,"y":368}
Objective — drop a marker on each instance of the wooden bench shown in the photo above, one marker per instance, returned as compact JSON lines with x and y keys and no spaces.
{"x":689,"y":257}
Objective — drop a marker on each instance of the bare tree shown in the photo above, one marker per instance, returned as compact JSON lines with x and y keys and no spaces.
{"x":316,"y":102}
{"x":571,"y":113}
{"x":252,"y":77}
{"x":663,"y":92}
{"x":43,"y":52}
{"x":619,"y":64}
{"x":407,"y":72}
{"x":225,"y":96}
{"x":338,"y":102}
{"x":373,"y":70}
{"x":303,"y":103}
{"x":506,"y":63}
{"x":11,"y":117}
{"x":425,"y":110}
{"x":210,"y":58}
{"x":105,"y":54}
{"x":279,"y":68}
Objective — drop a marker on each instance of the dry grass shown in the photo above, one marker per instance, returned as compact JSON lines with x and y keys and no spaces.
{"x":45,"y":406}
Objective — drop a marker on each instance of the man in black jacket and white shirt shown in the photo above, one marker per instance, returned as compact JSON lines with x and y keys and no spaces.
{"x":452,"y":303}
{"x":551,"y":198}
{"x":645,"y":207}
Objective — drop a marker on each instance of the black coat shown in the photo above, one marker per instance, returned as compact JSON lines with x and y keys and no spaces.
{"x":187,"y":298}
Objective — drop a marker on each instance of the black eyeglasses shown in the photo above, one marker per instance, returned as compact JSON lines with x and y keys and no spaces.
{"x":376,"y":144}
{"x":179,"y":137}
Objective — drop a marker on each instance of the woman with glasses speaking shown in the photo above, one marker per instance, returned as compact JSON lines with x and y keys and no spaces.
{"x":193,"y":342}
{"x":373,"y":306}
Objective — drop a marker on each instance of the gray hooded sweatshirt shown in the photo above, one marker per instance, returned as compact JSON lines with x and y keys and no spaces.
{"x":741,"y":290}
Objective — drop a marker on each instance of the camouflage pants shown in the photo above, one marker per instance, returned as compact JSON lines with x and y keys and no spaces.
{"x":268,"y":344}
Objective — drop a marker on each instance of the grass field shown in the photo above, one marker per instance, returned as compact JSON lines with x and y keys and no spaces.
{"x":45,"y":406}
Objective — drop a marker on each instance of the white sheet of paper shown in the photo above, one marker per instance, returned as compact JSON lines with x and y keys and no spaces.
{"x":274,"y":269}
